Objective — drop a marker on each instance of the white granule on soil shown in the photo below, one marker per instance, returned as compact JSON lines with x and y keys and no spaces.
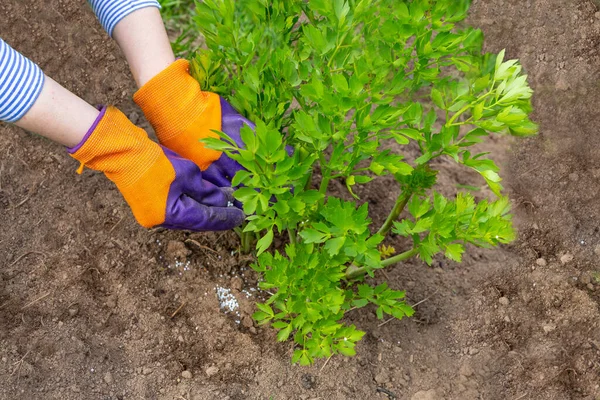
{"x":227,"y":301}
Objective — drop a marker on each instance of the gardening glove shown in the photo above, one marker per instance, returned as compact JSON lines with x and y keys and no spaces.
{"x":161,"y":188}
{"x":182,"y":114}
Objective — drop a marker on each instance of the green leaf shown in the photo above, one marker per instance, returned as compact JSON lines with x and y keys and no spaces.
{"x":436,"y":97}
{"x":454,"y":252}
{"x":360,"y":303}
{"x":333,"y":246}
{"x":313,"y":236}
{"x":340,"y":84}
{"x":412,"y":133}
{"x":284,"y":334}
{"x":264,"y":243}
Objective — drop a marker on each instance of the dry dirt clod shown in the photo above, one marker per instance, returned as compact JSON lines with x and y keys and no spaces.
{"x":177,"y":250}
{"x":108,"y":378}
{"x":211,"y":371}
{"x":426,"y":395}
{"x":548,"y":328}
{"x":247,"y":321}
{"x":466,"y":370}
{"x":237,"y":283}
{"x":186,"y":374}
{"x":382,"y":378}
{"x":566,"y":258}
{"x":585,"y":278}
{"x":541,"y":262}
{"x":504,"y":301}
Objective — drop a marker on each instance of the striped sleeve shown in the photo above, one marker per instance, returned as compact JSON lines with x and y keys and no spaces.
{"x":110,"y":12}
{"x":21,"y":82}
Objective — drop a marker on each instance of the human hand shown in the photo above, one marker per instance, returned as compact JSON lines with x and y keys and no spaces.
{"x":161,"y":188}
{"x":182,"y":115}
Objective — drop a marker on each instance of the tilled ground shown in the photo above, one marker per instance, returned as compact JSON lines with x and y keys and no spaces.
{"x":94,"y":307}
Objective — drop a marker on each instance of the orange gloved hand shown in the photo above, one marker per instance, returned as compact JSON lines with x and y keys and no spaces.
{"x":182,"y":114}
{"x":161,"y":188}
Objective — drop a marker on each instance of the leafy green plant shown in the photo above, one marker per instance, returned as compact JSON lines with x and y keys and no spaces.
{"x":360,"y":89}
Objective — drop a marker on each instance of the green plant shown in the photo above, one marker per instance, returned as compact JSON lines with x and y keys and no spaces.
{"x":360,"y":89}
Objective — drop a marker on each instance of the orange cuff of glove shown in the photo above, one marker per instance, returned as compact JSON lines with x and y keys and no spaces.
{"x":137,"y":165}
{"x":181,"y":113}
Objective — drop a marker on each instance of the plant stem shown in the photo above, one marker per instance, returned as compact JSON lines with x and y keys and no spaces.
{"x":292,"y":235}
{"x":246,"y":238}
{"x":324,"y":185}
{"x":399,"y":257}
{"x":398,"y":207}
{"x":308,"y":184}
{"x":354,"y":272}
{"x":325,"y":174}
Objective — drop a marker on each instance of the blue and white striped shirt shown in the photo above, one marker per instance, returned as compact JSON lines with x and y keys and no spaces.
{"x":110,"y":12}
{"x":21,"y":80}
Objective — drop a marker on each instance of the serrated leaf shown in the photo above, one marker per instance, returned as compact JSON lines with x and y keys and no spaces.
{"x":334,"y":245}
{"x":454,"y":252}
{"x":284,"y":334}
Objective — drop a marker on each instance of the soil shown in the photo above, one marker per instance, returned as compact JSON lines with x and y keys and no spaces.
{"x":94,"y":307}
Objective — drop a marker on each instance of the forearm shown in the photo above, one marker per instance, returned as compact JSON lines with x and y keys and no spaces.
{"x":138,"y":28}
{"x":39,"y":104}
{"x":59,"y":115}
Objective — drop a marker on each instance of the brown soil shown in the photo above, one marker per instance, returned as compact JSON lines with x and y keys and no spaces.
{"x":94,"y":307}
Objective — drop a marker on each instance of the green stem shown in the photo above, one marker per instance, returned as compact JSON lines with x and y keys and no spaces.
{"x":308,"y":183}
{"x":246,"y":242}
{"x":324,"y":184}
{"x":399,"y":257}
{"x":354,"y":272}
{"x":398,"y":207}
{"x":325,"y":173}
{"x":458,"y":114}
{"x":465,"y":108}
{"x":292,"y":235}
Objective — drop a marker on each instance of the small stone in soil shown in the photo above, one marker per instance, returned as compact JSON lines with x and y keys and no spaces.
{"x":549,"y":328}
{"x":504,"y":301}
{"x":566,"y":258}
{"x":211,"y":371}
{"x":541,"y":262}
{"x":146,"y":370}
{"x":425,"y":395}
{"x":186,"y":374}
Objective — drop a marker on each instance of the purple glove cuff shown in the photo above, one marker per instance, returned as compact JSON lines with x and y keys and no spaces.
{"x":72,"y":150}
